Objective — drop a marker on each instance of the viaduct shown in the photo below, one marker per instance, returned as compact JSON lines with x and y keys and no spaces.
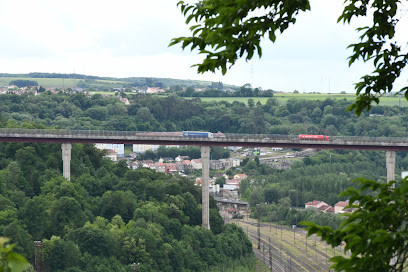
{"x":67,"y":137}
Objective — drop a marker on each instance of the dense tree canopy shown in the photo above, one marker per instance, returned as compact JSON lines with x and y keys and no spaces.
{"x":108,"y":216}
{"x":23,"y":83}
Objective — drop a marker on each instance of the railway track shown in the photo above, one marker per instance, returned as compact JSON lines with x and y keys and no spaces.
{"x":277,"y":264}
{"x":284,"y":254}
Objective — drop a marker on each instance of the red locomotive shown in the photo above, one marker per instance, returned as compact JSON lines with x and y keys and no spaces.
{"x":314,"y":137}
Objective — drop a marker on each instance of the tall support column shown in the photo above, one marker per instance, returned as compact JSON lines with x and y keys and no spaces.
{"x":66,"y":160}
{"x":205,"y":160}
{"x":390,"y":162}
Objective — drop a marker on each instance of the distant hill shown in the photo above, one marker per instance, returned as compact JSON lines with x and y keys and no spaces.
{"x":56,"y":80}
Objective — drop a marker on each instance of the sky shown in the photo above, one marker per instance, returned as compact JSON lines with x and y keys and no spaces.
{"x":129,"y":38}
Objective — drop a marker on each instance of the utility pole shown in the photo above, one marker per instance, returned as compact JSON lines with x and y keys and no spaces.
{"x":259,"y":226}
{"x":134,"y":267}
{"x":306,"y":242}
{"x":270,"y":255}
{"x":37,"y":247}
{"x":263,"y":253}
{"x":281,"y":230}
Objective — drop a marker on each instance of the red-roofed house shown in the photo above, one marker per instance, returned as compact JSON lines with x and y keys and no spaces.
{"x":181,"y":158}
{"x":160,"y":167}
{"x":180,"y":166}
{"x":339,"y":206}
{"x":197,"y":164}
{"x":240,"y":176}
{"x":170,"y":168}
{"x":187,"y":165}
{"x":326,"y":208}
{"x":233,"y":181}
{"x":124,"y":100}
{"x":198,"y":181}
{"x":315,"y":204}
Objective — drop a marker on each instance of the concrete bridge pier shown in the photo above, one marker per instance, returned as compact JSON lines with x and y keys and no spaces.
{"x":66,"y":160}
{"x":205,"y":160}
{"x":390,"y":162}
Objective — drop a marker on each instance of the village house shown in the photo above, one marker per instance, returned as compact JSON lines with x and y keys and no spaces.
{"x":326,"y":208}
{"x":124,"y":100}
{"x":197,"y":164}
{"x":227,"y":163}
{"x":166,"y":159}
{"x":216,"y":165}
{"x":179,"y":166}
{"x":134,"y":165}
{"x":150,"y":166}
{"x":315,"y":204}
{"x":160,"y":167}
{"x":234,"y":182}
{"x":140,"y":148}
{"x":188,"y":166}
{"x":118,"y":148}
{"x":240,"y":176}
{"x":320,"y":206}
{"x":112,"y":154}
{"x":181,"y":158}
{"x":198,"y":181}
{"x":339,"y":206}
{"x":155,"y":90}
{"x":170,"y":168}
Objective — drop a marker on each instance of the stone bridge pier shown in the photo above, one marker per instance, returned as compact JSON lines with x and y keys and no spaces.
{"x":66,"y":160}
{"x":390,"y":163}
{"x":205,"y":160}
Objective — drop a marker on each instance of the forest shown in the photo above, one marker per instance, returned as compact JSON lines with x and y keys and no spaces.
{"x":140,"y":216}
{"x":108,"y":216}
{"x":173,"y":113}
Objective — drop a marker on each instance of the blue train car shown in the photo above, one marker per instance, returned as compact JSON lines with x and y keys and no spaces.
{"x":197,"y":134}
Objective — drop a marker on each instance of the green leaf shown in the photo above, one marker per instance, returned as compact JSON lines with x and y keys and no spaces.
{"x":17,"y":262}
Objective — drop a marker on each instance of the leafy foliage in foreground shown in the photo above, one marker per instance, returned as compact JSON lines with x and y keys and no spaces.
{"x":376,"y":234}
{"x":10,"y":261}
{"x":225,"y":31}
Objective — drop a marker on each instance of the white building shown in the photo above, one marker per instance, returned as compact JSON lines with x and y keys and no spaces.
{"x":143,"y":148}
{"x":118,"y":148}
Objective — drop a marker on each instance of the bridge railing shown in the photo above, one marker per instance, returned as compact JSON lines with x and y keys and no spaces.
{"x":61,"y":133}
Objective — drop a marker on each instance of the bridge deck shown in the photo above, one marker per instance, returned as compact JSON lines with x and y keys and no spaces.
{"x":176,"y":138}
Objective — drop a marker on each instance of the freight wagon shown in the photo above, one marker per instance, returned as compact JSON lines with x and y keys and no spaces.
{"x":314,"y":137}
{"x":197,"y":134}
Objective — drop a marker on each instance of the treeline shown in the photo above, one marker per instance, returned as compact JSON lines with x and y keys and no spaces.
{"x":172,"y":113}
{"x":108,"y":216}
{"x":244,"y":91}
{"x":128,"y":81}
{"x":23,"y":83}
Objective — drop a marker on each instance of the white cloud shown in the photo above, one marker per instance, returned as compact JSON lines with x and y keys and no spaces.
{"x":130,"y":38}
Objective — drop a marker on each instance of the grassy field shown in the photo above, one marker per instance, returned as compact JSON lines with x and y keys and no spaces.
{"x":56,"y":82}
{"x":283,"y":98}
{"x":45,"y":82}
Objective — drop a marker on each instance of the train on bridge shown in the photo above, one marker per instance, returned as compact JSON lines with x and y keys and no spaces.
{"x":197,"y":134}
{"x":314,"y":137}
